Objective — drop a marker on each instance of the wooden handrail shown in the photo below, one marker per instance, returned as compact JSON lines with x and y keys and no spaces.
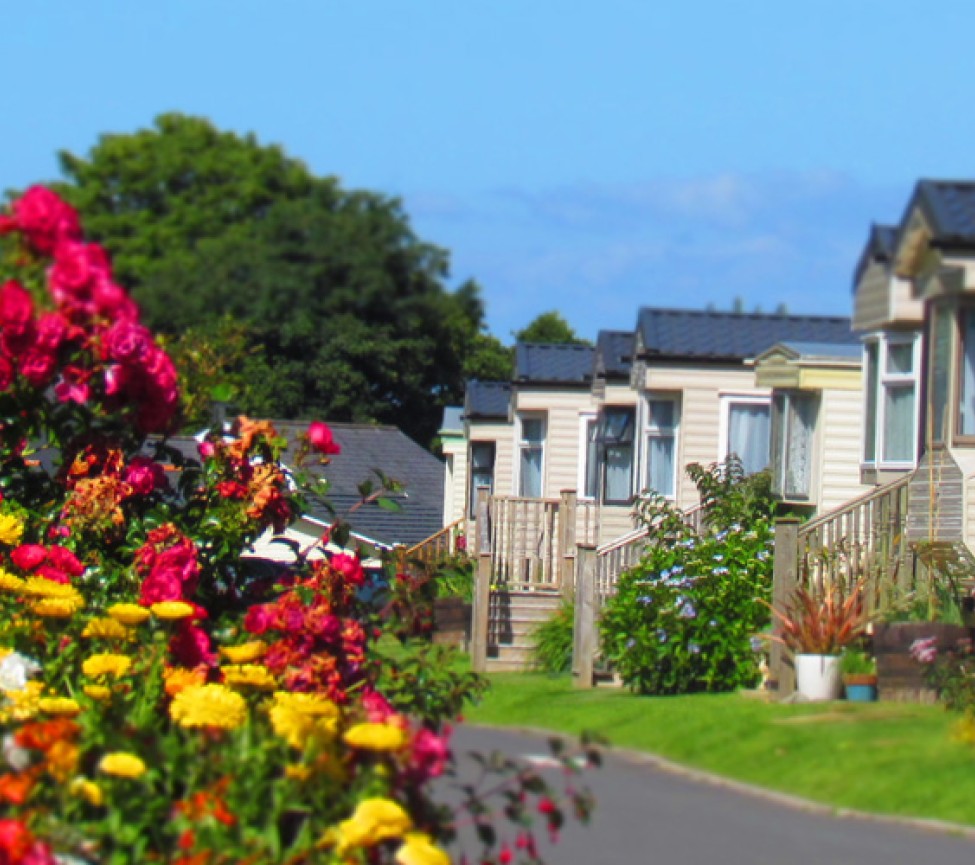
{"x":853,"y":504}
{"x":446,"y":531}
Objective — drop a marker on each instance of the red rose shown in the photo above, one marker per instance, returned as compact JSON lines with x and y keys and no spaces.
{"x":320,"y":438}
{"x":6,"y":373}
{"x":29,"y":556}
{"x":67,"y":561}
{"x":44,"y":218}
{"x":349,"y":567}
{"x":16,"y":307}
{"x":77,"y":268}
{"x":190,"y":647}
{"x":52,"y":330}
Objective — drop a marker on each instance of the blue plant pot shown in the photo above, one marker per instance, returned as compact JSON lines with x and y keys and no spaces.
{"x":861,"y":693}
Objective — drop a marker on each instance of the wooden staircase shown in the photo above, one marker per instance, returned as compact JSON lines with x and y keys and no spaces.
{"x":513,"y":615}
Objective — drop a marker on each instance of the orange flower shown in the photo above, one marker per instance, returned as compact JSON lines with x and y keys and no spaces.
{"x":178,"y":678}
{"x":16,"y":787}
{"x":62,"y":761}
{"x":42,"y":735}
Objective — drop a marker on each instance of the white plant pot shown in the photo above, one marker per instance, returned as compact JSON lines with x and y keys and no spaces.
{"x":818,"y":676}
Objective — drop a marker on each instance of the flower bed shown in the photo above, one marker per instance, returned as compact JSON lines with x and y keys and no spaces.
{"x":159,"y":700}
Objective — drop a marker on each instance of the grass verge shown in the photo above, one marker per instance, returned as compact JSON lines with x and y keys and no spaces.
{"x":885,"y":758}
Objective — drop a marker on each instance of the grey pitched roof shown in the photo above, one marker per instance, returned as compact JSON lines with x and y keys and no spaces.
{"x":681,"y":334}
{"x":553,"y":363}
{"x":487,"y":400}
{"x":388,"y":449}
{"x":949,"y":207}
{"x":881,"y":241}
{"x":614,"y":353}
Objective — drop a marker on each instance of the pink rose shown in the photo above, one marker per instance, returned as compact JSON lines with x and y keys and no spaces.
{"x":52,"y":331}
{"x":190,"y":647}
{"x":127,"y":342}
{"x":55,"y":575}
{"x":76,"y":269}
{"x":73,"y":386}
{"x":44,"y":218}
{"x":257,"y":619}
{"x":145,"y":476}
{"x":319,"y":436}
{"x":37,"y":367}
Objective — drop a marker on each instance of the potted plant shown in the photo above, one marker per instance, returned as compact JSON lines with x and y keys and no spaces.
{"x":816,"y":625}
{"x":859,"y":673}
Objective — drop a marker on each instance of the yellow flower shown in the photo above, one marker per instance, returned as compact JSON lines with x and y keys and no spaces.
{"x":11,"y":529}
{"x":56,"y":608}
{"x":419,"y":849}
{"x":297,"y":772}
{"x":373,"y":821}
{"x":106,"y":664}
{"x":87,"y":790}
{"x":59,"y":706}
{"x":22,"y":705}
{"x":41,"y":587}
{"x":303,"y":718}
{"x":122,"y":765}
{"x":10,"y":583}
{"x":249,"y":676}
{"x":208,"y":706}
{"x":172,"y":610}
{"x":128,"y":614}
{"x":375,"y":737}
{"x":106,"y":628}
{"x":98,"y":692}
{"x":246,"y":653}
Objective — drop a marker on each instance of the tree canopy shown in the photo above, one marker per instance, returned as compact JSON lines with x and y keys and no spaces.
{"x":321,"y":300}
{"x":549,"y":327}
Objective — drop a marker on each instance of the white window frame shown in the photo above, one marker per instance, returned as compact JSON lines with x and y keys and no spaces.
{"x":650,"y":430}
{"x":886,"y":381}
{"x":522,"y":444}
{"x":585,"y":420}
{"x":727,"y":400}
{"x":603,"y":445}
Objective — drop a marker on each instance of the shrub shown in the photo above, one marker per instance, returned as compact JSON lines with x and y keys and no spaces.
{"x":552,"y":641}
{"x":685,"y":617}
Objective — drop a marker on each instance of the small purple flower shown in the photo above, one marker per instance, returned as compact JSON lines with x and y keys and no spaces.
{"x":630,"y":643}
{"x":661,"y":635}
{"x":756,"y":644}
{"x":720,"y":572}
{"x":687,"y":611}
{"x":645,"y":600}
{"x":694,"y":648}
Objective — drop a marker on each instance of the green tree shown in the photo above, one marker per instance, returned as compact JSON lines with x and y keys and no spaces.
{"x":345,"y":311}
{"x":549,"y":327}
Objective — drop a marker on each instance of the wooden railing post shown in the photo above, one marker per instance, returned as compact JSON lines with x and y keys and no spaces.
{"x":567,"y":542}
{"x":482,"y":586}
{"x":785,"y":576}
{"x":584,"y":633}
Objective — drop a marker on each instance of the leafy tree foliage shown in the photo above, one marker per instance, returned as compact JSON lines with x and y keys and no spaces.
{"x":336,"y":308}
{"x":550,"y":327}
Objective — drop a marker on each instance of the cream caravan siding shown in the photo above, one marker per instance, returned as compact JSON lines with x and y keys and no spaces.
{"x":871,"y":303}
{"x":700,"y":391}
{"x":614,"y":522}
{"x":502,"y":435}
{"x":455,"y":477}
{"x":840,"y":428}
{"x":562,"y":410}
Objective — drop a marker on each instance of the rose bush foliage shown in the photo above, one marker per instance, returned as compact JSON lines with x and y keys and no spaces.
{"x":161,"y":701}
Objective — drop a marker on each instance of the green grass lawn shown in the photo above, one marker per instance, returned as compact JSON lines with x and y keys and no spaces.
{"x":890,"y":758}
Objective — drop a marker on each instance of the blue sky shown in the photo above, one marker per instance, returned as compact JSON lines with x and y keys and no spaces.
{"x":589,"y":157}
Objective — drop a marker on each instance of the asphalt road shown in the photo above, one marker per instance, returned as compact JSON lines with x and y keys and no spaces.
{"x":648,"y":814}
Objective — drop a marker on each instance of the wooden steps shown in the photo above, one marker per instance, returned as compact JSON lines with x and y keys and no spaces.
{"x":513,"y":617}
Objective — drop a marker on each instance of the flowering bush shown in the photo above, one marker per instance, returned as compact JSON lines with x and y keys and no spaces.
{"x":686,"y":617}
{"x":159,"y":702}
